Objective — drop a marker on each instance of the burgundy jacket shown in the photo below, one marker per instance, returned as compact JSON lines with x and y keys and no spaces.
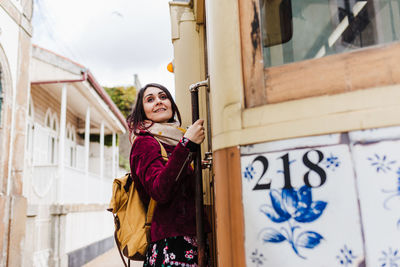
{"x":171,"y":184}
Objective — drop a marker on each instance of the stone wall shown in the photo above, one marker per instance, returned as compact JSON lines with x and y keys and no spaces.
{"x":15,"y":47}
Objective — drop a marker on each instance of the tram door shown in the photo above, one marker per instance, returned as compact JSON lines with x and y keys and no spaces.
{"x":204,"y":173}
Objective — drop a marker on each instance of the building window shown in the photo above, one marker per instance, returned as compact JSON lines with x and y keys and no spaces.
{"x":47,"y":121}
{"x":51,"y":124}
{"x":70,"y":155}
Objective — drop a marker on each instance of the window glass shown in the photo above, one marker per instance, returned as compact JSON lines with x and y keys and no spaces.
{"x":55,"y":124}
{"x":47,"y":120}
{"x":313,"y":29}
{"x":52,"y":135}
{"x":52,"y":150}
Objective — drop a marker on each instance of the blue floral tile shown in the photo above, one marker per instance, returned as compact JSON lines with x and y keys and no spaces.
{"x":301,"y":208}
{"x":289,"y":144}
{"x":346,"y":256}
{"x":374,"y":135}
{"x":378,"y":178}
{"x":390,"y":258}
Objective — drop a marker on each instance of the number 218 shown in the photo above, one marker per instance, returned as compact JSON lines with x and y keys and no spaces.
{"x":313,"y":167}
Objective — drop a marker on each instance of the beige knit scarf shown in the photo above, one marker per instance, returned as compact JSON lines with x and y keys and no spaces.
{"x":168,"y":132}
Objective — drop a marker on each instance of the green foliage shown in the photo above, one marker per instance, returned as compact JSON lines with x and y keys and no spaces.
{"x":107,"y":139}
{"x":124,"y":163}
{"x":123,"y":97}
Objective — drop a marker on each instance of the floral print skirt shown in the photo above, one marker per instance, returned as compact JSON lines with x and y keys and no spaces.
{"x":172,"y":251}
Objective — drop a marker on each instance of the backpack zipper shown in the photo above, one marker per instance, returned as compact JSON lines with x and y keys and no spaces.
{"x":184,"y":164}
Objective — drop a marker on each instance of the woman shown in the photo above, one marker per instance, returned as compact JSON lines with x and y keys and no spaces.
{"x":170,"y":183}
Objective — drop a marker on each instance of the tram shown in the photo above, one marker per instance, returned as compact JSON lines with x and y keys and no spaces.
{"x":302,"y":104}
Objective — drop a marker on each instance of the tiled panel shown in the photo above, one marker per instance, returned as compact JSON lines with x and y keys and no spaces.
{"x":310,"y":141}
{"x":374,"y":135}
{"x":378,"y":178}
{"x":302,"y":226}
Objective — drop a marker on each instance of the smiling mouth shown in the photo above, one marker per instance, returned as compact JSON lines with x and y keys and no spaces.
{"x":160,"y":110}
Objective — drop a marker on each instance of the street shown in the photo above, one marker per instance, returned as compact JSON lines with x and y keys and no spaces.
{"x":110,"y":259}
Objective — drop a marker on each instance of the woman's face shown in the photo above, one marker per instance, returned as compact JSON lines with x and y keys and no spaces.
{"x":156,"y":105}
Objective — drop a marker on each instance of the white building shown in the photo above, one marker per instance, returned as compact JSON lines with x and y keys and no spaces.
{"x":68,"y":177}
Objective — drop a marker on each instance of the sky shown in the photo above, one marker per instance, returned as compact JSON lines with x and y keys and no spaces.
{"x":113,"y":39}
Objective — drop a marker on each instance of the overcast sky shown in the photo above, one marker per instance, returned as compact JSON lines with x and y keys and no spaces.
{"x":114,"y":39}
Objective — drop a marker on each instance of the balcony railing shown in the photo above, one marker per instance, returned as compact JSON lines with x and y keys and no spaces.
{"x":42,"y":184}
{"x":77,"y":187}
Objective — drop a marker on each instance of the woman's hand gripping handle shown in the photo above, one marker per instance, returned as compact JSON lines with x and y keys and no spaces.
{"x":195,"y":132}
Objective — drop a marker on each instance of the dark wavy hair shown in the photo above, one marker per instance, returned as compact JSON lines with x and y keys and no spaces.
{"x":136,"y":118}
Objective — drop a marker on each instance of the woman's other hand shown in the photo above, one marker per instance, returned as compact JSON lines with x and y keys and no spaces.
{"x":195,"y":132}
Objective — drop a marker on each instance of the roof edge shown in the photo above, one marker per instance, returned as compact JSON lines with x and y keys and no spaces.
{"x":103,"y":94}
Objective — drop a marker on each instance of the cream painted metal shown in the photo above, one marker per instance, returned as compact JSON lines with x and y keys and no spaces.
{"x":187,"y":39}
{"x":225,"y":71}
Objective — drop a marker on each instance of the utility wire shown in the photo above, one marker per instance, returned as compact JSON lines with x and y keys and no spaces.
{"x":47,"y":23}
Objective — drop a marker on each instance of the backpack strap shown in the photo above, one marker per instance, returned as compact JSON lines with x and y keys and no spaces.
{"x":149,"y":218}
{"x":152,"y":203}
{"x":119,"y":250}
{"x":164,"y":154}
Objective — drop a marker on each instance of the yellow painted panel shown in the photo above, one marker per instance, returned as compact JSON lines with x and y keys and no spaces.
{"x":224,"y":65}
{"x":378,"y":107}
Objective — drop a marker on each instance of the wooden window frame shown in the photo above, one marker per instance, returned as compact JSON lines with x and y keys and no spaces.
{"x":334,"y":74}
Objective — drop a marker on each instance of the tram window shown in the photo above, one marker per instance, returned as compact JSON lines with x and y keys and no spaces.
{"x":317,"y":28}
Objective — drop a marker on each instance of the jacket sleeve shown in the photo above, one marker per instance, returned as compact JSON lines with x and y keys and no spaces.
{"x":158,"y":177}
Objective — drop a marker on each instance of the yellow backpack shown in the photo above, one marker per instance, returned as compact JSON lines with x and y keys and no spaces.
{"x":132,"y":219}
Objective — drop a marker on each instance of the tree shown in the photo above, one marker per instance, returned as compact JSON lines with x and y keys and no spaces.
{"x":123,"y":96}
